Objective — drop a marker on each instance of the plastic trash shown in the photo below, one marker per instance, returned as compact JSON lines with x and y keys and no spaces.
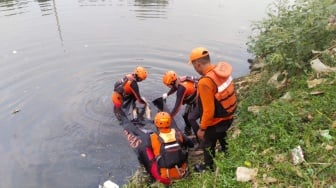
{"x":110,"y":184}
{"x":318,"y":66}
{"x":297,"y":155}
{"x":247,"y":163}
{"x":325,"y":134}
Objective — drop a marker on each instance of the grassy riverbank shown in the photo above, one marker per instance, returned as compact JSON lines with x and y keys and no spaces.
{"x":270,"y":123}
{"x":285,"y":104}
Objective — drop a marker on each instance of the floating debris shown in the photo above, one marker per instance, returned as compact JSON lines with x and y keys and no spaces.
{"x":109,"y":184}
{"x":16,"y":111}
{"x":83,"y":155}
{"x":14,"y":51}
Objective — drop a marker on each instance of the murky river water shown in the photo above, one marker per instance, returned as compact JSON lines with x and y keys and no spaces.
{"x":59,"y":60}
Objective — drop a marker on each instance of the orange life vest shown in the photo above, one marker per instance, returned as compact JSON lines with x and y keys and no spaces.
{"x":226,"y":100}
{"x":190,"y":83}
{"x":169,"y":155}
{"x":123,"y":86}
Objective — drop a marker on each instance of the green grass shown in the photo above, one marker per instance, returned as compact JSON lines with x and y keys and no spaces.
{"x":266,"y":139}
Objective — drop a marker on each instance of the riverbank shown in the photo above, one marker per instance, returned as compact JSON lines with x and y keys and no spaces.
{"x":284,"y":132}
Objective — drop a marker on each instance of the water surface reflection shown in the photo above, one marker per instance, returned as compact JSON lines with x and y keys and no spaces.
{"x":12,"y":7}
{"x":145,"y":9}
{"x":60,"y":58}
{"x":84,"y":3}
{"x":46,"y":7}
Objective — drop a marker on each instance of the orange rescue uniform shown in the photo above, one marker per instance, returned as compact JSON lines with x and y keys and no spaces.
{"x":207,"y":89}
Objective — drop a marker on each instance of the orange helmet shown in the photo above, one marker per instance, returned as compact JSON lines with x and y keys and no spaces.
{"x":141,"y":73}
{"x":169,"y":78}
{"x":197,"y":53}
{"x":162,"y":120}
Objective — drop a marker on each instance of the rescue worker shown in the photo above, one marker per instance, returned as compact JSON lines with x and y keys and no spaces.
{"x":169,"y":146}
{"x":186,"y":91}
{"x":150,"y":149}
{"x":139,"y":141}
{"x":217,"y":103}
{"x":126,"y":93}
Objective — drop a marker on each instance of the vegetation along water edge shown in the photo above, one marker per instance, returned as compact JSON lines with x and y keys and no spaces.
{"x":285,"y":127}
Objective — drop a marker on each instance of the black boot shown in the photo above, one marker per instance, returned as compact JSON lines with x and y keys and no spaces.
{"x":187,"y":131}
{"x":202,"y":168}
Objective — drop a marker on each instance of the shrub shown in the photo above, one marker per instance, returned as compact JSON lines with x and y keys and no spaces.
{"x":291,"y":31}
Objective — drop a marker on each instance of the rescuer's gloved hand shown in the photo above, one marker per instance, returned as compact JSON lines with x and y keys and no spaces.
{"x":164,"y":96}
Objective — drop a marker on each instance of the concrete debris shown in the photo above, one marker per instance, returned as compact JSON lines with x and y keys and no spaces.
{"x":244,"y":174}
